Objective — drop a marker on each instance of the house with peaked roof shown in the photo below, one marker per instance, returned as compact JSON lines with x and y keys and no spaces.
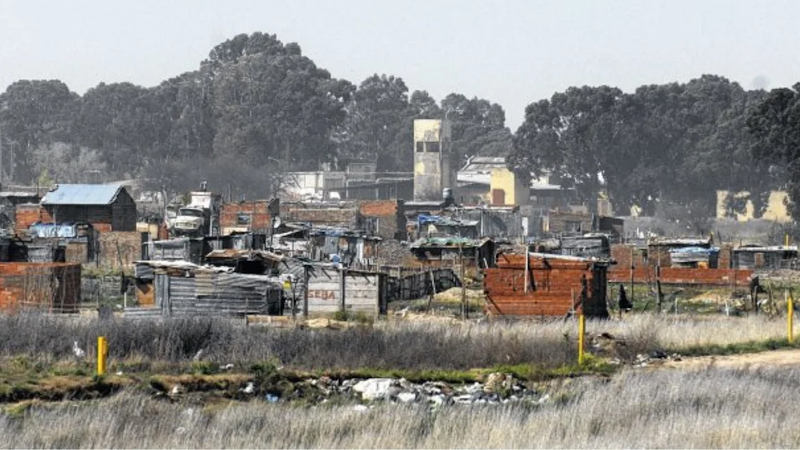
{"x":107,"y":207}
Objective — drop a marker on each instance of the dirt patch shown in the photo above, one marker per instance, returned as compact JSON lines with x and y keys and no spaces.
{"x":779,"y":358}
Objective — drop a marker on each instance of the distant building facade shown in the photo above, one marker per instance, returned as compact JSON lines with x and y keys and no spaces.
{"x":431,"y":149}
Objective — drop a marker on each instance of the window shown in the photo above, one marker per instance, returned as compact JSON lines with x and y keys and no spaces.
{"x":243,"y":219}
{"x":432,"y":147}
{"x":420,"y":147}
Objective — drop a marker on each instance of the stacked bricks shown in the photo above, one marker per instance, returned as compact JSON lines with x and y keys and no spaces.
{"x":555,"y":286}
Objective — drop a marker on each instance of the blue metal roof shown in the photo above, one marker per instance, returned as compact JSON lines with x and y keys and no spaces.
{"x":82,"y":194}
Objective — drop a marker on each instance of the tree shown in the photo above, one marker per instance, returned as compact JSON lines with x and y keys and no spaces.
{"x":775,"y":123}
{"x":272,"y":102}
{"x":33,"y":113}
{"x":478,"y":126}
{"x":571,"y":136}
{"x":377,"y":115}
{"x":662,"y":146}
{"x":124,"y":122}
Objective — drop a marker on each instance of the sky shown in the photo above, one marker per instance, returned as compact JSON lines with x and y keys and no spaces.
{"x":510,"y":52}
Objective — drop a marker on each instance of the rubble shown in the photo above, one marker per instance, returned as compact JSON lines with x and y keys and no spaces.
{"x":498,"y":388}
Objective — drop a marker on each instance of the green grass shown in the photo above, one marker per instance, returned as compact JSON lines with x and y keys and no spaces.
{"x":737,"y":348}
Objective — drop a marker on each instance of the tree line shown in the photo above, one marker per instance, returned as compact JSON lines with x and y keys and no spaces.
{"x":665,"y":147}
{"x":256,"y":108}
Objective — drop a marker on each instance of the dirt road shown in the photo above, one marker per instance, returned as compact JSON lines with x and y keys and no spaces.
{"x":773,"y":358}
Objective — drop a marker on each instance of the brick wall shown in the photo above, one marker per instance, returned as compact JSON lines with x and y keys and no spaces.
{"x":256,"y":210}
{"x":344,"y":217}
{"x":387,"y":213}
{"x":116,"y":246}
{"x":52,"y":286}
{"x":554,"y":287}
{"x":29,"y":213}
{"x":621,"y":253}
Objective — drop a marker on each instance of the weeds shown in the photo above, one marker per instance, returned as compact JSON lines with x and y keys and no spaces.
{"x":711,"y":408}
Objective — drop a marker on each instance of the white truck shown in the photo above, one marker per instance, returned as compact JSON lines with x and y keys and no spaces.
{"x":199,"y":217}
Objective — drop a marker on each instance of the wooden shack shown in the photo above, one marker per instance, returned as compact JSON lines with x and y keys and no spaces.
{"x":106,"y":207}
{"x":553,"y":286}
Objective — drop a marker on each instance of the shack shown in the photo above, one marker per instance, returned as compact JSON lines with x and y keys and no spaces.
{"x":106,"y":207}
{"x":658,"y":249}
{"x":348,"y":247}
{"x":180,"y":249}
{"x":554,"y":285}
{"x":177,"y":288}
{"x":765,"y":257}
{"x":694,"y":257}
{"x":331,"y":289}
{"x":588,"y":245}
{"x":450,"y":251}
{"x":433,"y":226}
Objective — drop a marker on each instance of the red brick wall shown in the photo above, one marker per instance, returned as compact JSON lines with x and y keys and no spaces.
{"x":259,"y":220}
{"x":54,"y":286}
{"x":345,"y":217}
{"x":683,"y":276}
{"x":28,"y":214}
{"x":621,"y":253}
{"x":554,"y":287}
{"x":388,"y":214}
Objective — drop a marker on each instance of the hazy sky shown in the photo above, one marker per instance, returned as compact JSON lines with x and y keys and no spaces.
{"x":511,"y":52}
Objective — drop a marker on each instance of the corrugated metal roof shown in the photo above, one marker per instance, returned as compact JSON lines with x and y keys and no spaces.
{"x":82,"y":194}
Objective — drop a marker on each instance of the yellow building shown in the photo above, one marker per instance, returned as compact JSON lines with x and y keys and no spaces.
{"x":776,"y":210}
{"x":508,"y":188}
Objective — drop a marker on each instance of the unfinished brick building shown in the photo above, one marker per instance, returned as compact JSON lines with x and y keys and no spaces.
{"x":556,"y":285}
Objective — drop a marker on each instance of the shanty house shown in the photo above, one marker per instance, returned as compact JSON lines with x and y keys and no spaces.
{"x":553,"y":286}
{"x":762,"y":257}
{"x":659,"y":249}
{"x":106,"y":207}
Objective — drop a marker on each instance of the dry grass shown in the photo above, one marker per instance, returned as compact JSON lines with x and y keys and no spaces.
{"x":385,"y":345}
{"x":711,"y":408}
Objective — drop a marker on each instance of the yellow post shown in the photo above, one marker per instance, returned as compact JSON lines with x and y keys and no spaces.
{"x":790,"y":318}
{"x":102,"y":353}
{"x":581,"y":335}
{"x":786,"y":239}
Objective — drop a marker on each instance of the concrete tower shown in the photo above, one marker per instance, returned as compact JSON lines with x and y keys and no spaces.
{"x":431,"y":159}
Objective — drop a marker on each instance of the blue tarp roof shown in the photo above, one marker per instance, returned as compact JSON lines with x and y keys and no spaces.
{"x":694,"y":250}
{"x":82,"y":194}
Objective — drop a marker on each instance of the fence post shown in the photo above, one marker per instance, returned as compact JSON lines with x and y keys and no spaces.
{"x":790,"y":317}
{"x":342,"y":291}
{"x":581,"y":336}
{"x":102,"y":353}
{"x":305,"y":292}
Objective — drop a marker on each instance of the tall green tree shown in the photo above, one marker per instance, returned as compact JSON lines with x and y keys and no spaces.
{"x":478,"y":126}
{"x":775,"y":123}
{"x":33,"y":113}
{"x":270,"y":101}
{"x":376,"y":116}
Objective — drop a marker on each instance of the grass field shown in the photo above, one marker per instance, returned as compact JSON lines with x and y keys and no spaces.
{"x":664,"y":408}
{"x":620,"y":407}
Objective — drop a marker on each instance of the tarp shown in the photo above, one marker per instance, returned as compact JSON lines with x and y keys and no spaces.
{"x":50,"y":230}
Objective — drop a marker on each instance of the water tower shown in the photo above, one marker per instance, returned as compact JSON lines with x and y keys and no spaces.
{"x":431,"y":159}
